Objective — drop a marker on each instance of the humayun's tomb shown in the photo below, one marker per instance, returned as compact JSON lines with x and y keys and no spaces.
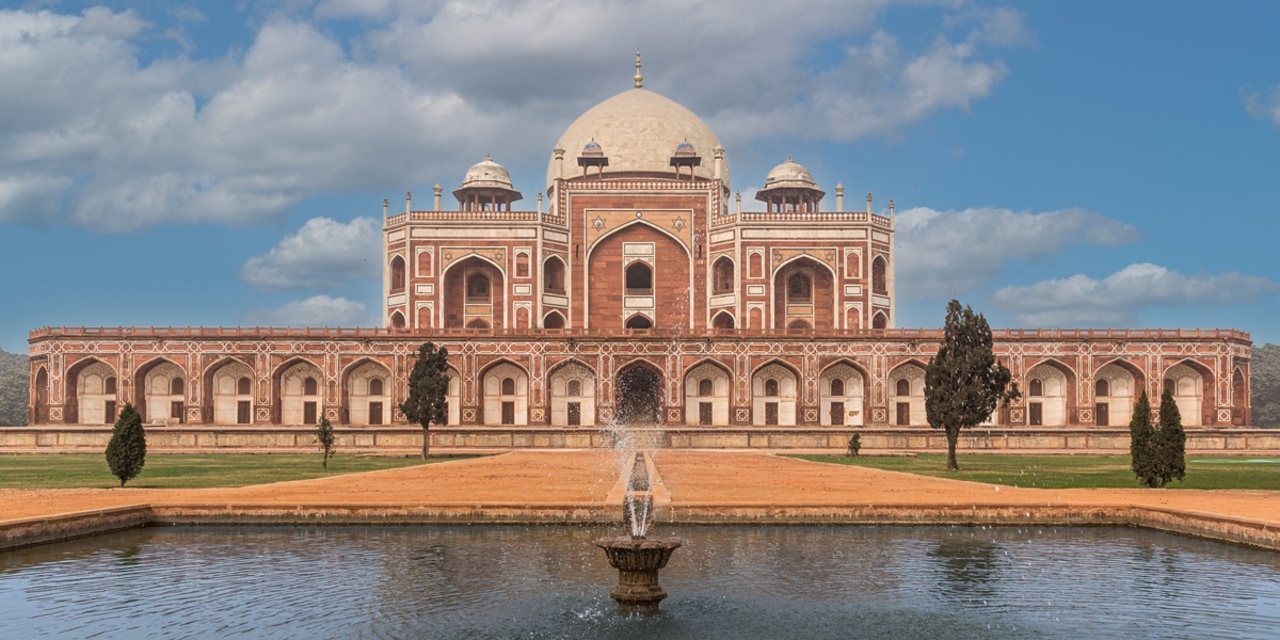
{"x":636,"y":290}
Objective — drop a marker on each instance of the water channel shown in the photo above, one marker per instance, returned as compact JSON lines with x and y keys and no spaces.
{"x":552,"y":582}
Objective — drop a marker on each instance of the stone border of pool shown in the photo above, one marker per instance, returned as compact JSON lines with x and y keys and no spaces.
{"x":40,"y":530}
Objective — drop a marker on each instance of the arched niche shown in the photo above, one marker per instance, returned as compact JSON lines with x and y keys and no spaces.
{"x":367,"y":387}
{"x":774,"y":391}
{"x":906,"y":395}
{"x":573,"y":395}
{"x":506,"y":395}
{"x":707,"y":389}
{"x":300,"y":397}
{"x":841,"y":390}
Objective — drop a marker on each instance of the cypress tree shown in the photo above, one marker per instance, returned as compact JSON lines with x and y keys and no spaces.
{"x":428,"y":388}
{"x":127,"y":450}
{"x":1142,"y":442}
{"x":1170,"y":441}
{"x":325,"y":438}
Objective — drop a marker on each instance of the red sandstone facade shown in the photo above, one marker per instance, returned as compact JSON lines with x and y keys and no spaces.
{"x":640,"y":293}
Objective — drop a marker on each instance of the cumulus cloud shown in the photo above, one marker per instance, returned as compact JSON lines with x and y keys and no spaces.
{"x":316,"y":311}
{"x":134,"y":138}
{"x":323,"y":254}
{"x":948,"y":253}
{"x":1087,"y":302}
{"x":1263,"y":105}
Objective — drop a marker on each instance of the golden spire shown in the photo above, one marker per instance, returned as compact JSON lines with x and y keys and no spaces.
{"x":639,"y":78}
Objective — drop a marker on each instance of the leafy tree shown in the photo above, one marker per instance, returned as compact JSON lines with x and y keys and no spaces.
{"x":127,"y":450}
{"x":428,"y":386}
{"x":1141,"y":442}
{"x":1264,"y":373}
{"x":964,"y":383}
{"x":15,"y":373}
{"x":324,"y":437}
{"x":1170,"y":441}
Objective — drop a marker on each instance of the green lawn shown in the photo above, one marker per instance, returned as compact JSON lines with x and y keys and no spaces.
{"x":183,"y":471}
{"x":1063,"y":472}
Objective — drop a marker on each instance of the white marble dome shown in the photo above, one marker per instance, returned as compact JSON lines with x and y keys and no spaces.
{"x":487,"y":174}
{"x":638,"y":131}
{"x":790,"y":175}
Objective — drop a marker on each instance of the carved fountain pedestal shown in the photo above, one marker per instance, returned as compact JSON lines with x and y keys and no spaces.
{"x":638,"y":560}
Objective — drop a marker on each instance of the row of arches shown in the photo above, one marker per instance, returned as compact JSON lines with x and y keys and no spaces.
{"x":299,"y":394}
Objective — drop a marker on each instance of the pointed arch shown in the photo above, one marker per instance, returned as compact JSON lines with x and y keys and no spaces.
{"x":842,"y":392}
{"x":1193,"y":391}
{"x":907,"y":409}
{"x":504,"y":391}
{"x":40,"y":396}
{"x":1239,"y":397}
{"x":1117,"y":384}
{"x":880,"y":321}
{"x":572,"y":388}
{"x":634,"y":223}
{"x":553,"y":270}
{"x":397,"y":320}
{"x":226,"y":400}
{"x":553,"y":320}
{"x":639,"y":321}
{"x":708,"y":390}
{"x":722,"y":275}
{"x":153,"y":385}
{"x":296,"y":401}
{"x":775,"y":392}
{"x":1056,"y":401}
{"x":880,"y":276}
{"x":723,"y":320}
{"x":89,"y":399}
{"x":397,"y":274}
{"x":473,"y":287}
{"x":638,"y":390}
{"x":366,"y":393}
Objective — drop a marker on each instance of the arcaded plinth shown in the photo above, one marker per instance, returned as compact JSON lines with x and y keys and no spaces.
{"x":638,"y":560}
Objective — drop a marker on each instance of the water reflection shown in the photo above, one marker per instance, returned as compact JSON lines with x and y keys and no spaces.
{"x":551,"y":582}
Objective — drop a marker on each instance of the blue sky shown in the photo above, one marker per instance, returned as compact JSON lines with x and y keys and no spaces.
{"x":1073,"y":164}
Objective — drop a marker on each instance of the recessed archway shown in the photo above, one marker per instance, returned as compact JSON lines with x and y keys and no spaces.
{"x":639,"y":394}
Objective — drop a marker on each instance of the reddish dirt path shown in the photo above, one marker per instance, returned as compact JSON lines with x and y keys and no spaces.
{"x":694,"y":479}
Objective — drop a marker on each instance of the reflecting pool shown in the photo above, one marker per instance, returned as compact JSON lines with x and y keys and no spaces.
{"x":552,"y":582}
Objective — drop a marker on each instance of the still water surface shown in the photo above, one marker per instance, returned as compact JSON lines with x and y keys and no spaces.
{"x":726,"y":582}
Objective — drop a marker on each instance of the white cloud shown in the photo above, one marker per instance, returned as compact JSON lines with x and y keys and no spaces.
{"x":1113,"y":301}
{"x":1263,"y":105}
{"x":948,"y":253}
{"x":316,"y":311}
{"x":323,"y":254}
{"x":414,"y":96}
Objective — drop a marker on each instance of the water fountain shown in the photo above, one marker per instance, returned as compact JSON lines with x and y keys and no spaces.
{"x":637,"y":557}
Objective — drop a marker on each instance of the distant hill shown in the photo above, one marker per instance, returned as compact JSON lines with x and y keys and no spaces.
{"x":14,"y":374}
{"x":1265,"y":367}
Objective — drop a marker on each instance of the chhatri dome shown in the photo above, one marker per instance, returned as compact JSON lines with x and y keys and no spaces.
{"x":487,"y":174}
{"x":638,"y":130}
{"x":790,"y":174}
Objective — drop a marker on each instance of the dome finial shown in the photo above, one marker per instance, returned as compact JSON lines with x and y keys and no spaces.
{"x":639,"y":78}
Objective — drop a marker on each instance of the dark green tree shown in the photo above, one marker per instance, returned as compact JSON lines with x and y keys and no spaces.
{"x":428,"y":386}
{"x":127,"y":450}
{"x":964,"y":383}
{"x":1142,"y":442}
{"x":324,"y":437}
{"x":1170,"y":441}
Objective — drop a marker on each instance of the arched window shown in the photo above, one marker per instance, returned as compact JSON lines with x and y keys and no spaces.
{"x":799,"y":288}
{"x":880,"y":321}
{"x":722,"y":276}
{"x":375,"y":386}
{"x":508,"y":386}
{"x":639,"y":322}
{"x":837,"y":387}
{"x":704,"y":387}
{"x":879,"y":276}
{"x":397,"y":320}
{"x":553,"y":321}
{"x":639,"y":279}
{"x":1035,"y":388}
{"x":477,"y":288}
{"x":903,"y":388}
{"x":575,"y":388}
{"x":798,"y":325}
{"x":397,"y":274}
{"x":109,"y":386}
{"x":175,"y":387}
{"x":770,"y":387}
{"x":243,"y":386}
{"x":522,"y":265}
{"x":723,"y":320}
{"x":309,"y":387}
{"x":477,"y":324}
{"x":553,"y":275}
{"x":1102,"y":389}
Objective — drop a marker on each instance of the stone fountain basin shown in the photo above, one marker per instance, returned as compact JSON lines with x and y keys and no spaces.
{"x":638,"y":560}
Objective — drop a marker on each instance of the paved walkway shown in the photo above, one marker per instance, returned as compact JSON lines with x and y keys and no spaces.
{"x":711,"y":484}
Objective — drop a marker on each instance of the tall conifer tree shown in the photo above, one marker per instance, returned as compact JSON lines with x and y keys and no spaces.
{"x":127,"y":450}
{"x":1171,"y":441}
{"x":428,"y":388}
{"x":964,"y":383}
{"x":1142,"y":442}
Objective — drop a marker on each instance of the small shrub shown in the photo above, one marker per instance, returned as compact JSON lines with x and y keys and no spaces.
{"x":325,"y":438}
{"x":855,"y":445}
{"x":127,"y":450}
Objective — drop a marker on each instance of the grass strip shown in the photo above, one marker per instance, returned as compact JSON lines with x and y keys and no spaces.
{"x":1071,"y":471}
{"x":184,"y":471}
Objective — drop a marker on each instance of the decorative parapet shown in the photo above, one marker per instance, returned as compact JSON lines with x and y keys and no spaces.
{"x":815,"y":216}
{"x":475,"y":216}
